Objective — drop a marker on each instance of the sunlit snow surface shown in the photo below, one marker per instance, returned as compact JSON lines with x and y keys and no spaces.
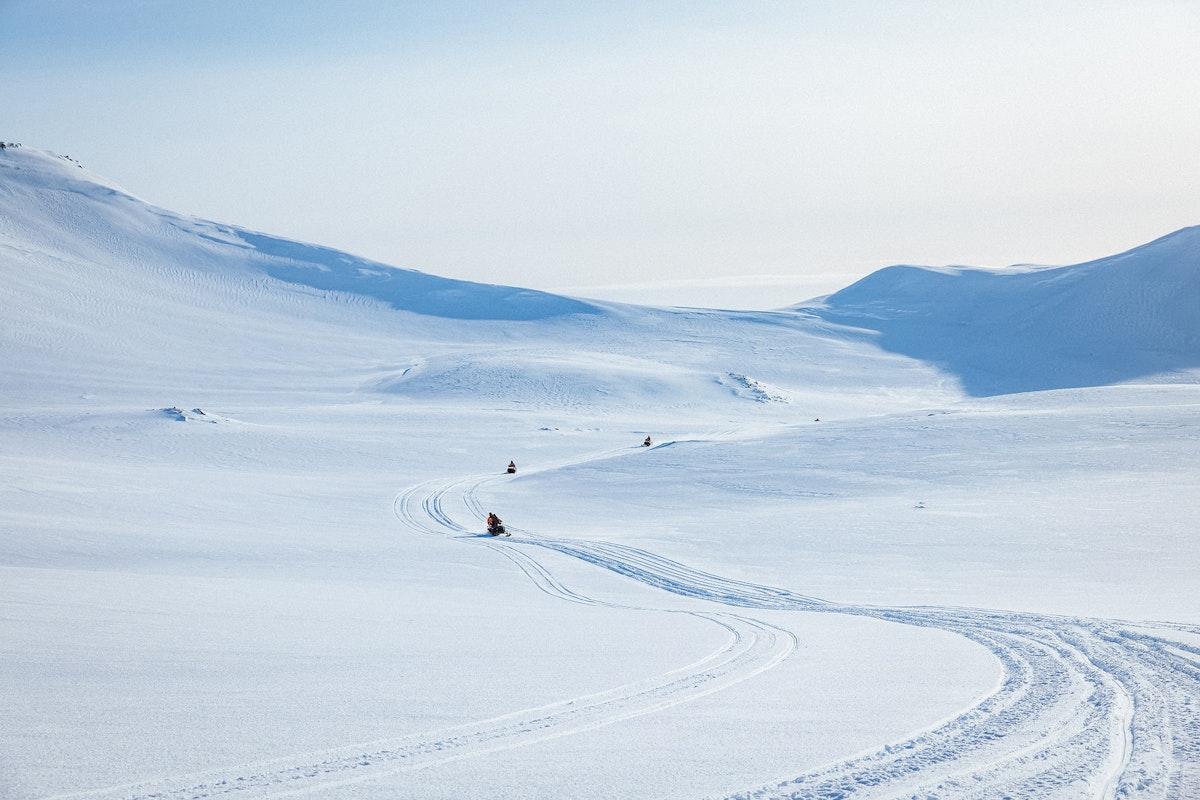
{"x":242,"y":486}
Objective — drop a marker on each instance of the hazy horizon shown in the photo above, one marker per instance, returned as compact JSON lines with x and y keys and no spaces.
{"x":658,"y":145}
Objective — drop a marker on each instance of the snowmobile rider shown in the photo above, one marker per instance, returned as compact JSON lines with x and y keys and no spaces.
{"x":493,"y":522}
{"x":647,"y":442}
{"x":512,"y":467}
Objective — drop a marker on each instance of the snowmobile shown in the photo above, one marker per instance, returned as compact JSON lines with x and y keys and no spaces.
{"x":495,"y":526}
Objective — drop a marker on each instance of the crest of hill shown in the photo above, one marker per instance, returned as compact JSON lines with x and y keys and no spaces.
{"x":102,"y":293}
{"x":1118,"y":319}
{"x":76,"y":213}
{"x":404,"y":289}
{"x":90,"y":272}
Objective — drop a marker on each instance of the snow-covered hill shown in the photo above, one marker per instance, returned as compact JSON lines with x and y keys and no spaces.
{"x":1128,"y":317}
{"x":101,"y":286}
{"x":91,"y":217}
{"x":242,"y":485}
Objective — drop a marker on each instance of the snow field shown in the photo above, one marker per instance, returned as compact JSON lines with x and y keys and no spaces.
{"x":242,"y":489}
{"x":180,"y":644}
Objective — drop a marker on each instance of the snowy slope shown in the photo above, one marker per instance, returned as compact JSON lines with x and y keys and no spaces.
{"x":242,"y":485}
{"x":1123,"y":318}
{"x":143,"y":290}
{"x":93,"y":218}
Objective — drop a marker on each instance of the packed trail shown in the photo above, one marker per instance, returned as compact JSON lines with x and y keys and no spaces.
{"x":1087,"y":707}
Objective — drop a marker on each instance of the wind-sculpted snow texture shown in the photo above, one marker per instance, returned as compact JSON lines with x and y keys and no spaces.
{"x":1088,"y":707}
{"x":1116,"y":319}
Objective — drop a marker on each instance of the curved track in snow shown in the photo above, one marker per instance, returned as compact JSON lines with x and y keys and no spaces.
{"x":1088,"y":708}
{"x":751,"y":646}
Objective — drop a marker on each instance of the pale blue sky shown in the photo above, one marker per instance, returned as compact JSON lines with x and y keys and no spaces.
{"x":553,"y":146}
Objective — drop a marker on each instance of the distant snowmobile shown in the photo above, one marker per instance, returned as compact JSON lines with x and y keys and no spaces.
{"x":512,"y":467}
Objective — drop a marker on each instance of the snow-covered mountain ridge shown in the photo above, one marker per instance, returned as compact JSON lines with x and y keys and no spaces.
{"x":48,"y":189}
{"x":1124,"y":318}
{"x":94,"y":276}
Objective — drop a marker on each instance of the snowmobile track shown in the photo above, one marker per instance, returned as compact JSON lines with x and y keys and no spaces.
{"x":752,"y":647}
{"x":1088,"y":708}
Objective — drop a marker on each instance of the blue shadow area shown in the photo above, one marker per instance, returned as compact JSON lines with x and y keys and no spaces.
{"x":407,"y":290}
{"x":1109,"y":321}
